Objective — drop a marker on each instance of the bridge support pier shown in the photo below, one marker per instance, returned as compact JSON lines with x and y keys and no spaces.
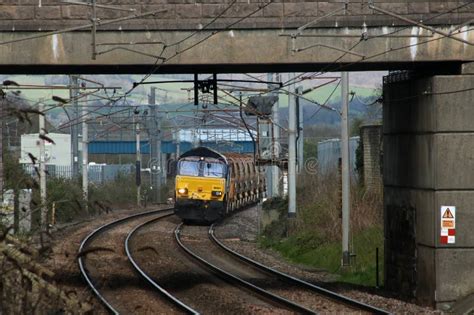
{"x":428,"y":164}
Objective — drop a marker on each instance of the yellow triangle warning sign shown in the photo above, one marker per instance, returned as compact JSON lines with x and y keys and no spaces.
{"x":448,"y":215}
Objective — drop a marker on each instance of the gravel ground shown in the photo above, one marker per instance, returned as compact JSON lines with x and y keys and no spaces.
{"x":239,"y":233}
{"x":62,"y":259}
{"x":176,"y":272}
{"x":118,"y":281}
{"x":196,"y":238}
{"x":180,"y":274}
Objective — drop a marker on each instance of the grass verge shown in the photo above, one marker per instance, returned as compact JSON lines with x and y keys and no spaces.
{"x":312,"y":251}
{"x":315,"y":236}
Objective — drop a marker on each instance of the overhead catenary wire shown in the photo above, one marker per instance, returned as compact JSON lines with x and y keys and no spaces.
{"x":248,"y":130}
{"x":342,"y":67}
{"x":81,"y":27}
{"x":154,"y":69}
{"x":345,"y":66}
{"x":325,"y":102}
{"x":379,"y":100}
{"x":229,"y":6}
{"x":157,"y":65}
{"x":108,"y":115}
{"x":375,"y":55}
{"x":293,"y":80}
{"x":376,"y":101}
{"x":398,"y":30}
{"x":390,"y":50}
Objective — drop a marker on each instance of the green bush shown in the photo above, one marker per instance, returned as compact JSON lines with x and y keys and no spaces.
{"x":66,"y":194}
{"x":316,"y":241}
{"x":120,"y":192}
{"x":278,"y":228}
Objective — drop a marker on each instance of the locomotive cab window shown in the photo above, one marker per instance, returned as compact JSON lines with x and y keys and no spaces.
{"x":213,"y":169}
{"x":188,"y":168}
{"x":202,"y":168}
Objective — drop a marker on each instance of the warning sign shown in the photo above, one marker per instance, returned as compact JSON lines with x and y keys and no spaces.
{"x":448,"y":225}
{"x":448,"y":214}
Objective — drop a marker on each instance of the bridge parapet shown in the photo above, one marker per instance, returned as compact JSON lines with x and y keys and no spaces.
{"x":27,"y":15}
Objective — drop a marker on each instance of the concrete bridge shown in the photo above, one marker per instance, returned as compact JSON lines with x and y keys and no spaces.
{"x":428,"y":114}
{"x":234,"y":36}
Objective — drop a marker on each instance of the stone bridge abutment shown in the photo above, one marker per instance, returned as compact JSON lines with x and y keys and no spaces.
{"x":429,"y":165}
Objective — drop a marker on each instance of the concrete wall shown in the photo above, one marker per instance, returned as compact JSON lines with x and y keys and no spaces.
{"x":188,"y":14}
{"x":429,"y":163}
{"x":371,"y":141}
{"x":246,"y":37}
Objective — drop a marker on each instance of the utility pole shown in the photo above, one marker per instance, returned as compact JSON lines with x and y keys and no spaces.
{"x":155,"y":146}
{"x":164,"y":170}
{"x":346,"y":257}
{"x":2,"y":125}
{"x":138,"y":163}
{"x":300,"y":144}
{"x":42,"y":172}
{"x":85,"y":156}
{"x":73,"y":92}
{"x":269,"y":169}
{"x":277,"y":146}
{"x":178,"y":143}
{"x":291,"y":156}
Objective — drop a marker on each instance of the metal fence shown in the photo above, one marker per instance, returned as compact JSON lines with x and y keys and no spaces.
{"x":329,"y":152}
{"x":98,"y":173}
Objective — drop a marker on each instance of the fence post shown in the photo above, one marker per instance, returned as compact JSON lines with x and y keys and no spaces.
{"x":377,"y":283}
{"x":53,"y":214}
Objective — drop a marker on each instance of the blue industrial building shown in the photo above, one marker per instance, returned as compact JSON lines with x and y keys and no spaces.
{"x":129,"y":147}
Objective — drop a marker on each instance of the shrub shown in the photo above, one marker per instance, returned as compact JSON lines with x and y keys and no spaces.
{"x":316,"y":241}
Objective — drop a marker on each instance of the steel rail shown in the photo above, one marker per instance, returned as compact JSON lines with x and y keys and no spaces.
{"x":325,"y":292}
{"x":230,"y":277}
{"x":135,"y":265}
{"x":93,"y":235}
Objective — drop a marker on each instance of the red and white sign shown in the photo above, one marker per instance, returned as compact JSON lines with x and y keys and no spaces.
{"x":448,"y":225}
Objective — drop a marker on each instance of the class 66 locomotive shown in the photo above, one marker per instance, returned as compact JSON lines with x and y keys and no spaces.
{"x":209,"y":185}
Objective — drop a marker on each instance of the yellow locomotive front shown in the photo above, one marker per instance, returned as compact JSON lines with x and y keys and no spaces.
{"x":200,"y":186}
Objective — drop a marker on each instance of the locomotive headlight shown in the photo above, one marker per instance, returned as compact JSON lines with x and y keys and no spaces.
{"x":183,"y":191}
{"x":216,"y":193}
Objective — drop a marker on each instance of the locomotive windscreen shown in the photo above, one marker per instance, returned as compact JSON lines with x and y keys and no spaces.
{"x":188,"y":168}
{"x":202,"y":168}
{"x":214,"y":170}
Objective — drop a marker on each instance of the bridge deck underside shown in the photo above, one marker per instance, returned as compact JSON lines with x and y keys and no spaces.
{"x":323,"y":49}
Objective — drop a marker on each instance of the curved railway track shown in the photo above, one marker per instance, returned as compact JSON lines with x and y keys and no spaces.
{"x":285,"y":277}
{"x":108,"y":280}
{"x":183,"y":278}
{"x":286,"y":303}
{"x":147,"y":277}
{"x":171,"y":282}
{"x":296,"y":294}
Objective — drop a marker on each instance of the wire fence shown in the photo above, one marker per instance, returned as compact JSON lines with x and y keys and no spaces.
{"x":97,"y":173}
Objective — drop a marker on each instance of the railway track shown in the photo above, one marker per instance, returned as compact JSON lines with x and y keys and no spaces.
{"x":285,"y":303}
{"x":183,"y":278}
{"x":307,"y":297}
{"x":170,"y":282}
{"x":286,"y":277}
{"x":147,"y":277}
{"x":110,"y":275}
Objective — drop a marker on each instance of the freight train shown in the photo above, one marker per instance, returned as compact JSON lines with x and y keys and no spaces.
{"x":209,"y":185}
